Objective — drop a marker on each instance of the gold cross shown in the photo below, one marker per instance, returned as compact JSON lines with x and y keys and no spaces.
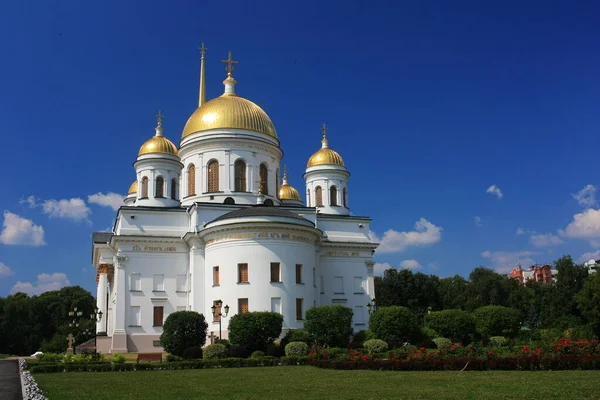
{"x":324,"y":130}
{"x":159,"y":118}
{"x":202,"y":50}
{"x":229,"y":63}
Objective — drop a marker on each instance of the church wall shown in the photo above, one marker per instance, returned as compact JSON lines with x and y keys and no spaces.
{"x":346,"y":229}
{"x":148,"y":223}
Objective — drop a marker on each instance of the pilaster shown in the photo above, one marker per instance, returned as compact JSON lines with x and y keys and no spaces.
{"x":119,"y":339}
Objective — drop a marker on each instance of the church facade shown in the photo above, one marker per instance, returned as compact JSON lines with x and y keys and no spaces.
{"x":215,"y":226}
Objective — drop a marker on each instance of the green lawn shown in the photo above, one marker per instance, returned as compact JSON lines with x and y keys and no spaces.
{"x":291,"y":383}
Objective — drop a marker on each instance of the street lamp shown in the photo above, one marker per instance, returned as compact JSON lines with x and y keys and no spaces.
{"x":96,"y":317}
{"x":371,"y":307}
{"x":219,"y":314}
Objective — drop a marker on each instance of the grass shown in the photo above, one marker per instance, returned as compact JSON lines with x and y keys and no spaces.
{"x":297,"y":382}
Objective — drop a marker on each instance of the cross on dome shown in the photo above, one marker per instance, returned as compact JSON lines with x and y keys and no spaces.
{"x":230,"y":62}
{"x":325,"y":142}
{"x":159,"y":119}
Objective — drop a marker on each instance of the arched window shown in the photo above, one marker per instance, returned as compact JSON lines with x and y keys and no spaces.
{"x":332,"y":196}
{"x":318,"y":196}
{"x":308,"y":197}
{"x":213,"y":176}
{"x":264,"y":174}
{"x":174,"y":189}
{"x":229,"y":200}
{"x":159,"y":191}
{"x":269,"y":202}
{"x":191,"y":189}
{"x":240,"y":175}
{"x":144,"y":188}
{"x":345,"y":198}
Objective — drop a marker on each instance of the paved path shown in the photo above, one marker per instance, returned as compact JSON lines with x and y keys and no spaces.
{"x":10,"y":380}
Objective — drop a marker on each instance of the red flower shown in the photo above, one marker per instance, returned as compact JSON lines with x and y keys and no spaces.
{"x":453,"y":347}
{"x":491,"y":352}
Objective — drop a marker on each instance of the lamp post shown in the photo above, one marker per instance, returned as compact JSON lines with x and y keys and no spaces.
{"x":77,"y":315}
{"x":371,"y":307}
{"x":219,"y":314}
{"x":96,"y":317}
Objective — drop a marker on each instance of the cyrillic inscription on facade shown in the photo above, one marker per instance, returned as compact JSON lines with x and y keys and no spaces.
{"x":155,"y":249}
{"x":260,"y":235}
{"x":343,"y":253}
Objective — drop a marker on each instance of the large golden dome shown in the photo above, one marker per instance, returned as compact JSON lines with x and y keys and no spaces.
{"x":158,"y":144}
{"x":325,"y":155}
{"x":229,"y":111}
{"x":133,"y":188}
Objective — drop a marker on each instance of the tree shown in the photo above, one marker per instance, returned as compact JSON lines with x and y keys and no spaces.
{"x":255,"y":330}
{"x":454,"y":292}
{"x":182,"y":330}
{"x":487,"y":288}
{"x":394,"y":324}
{"x":496,"y":321}
{"x":588,"y":301}
{"x":329,"y":325}
{"x":456,"y":325}
{"x":418,"y":292}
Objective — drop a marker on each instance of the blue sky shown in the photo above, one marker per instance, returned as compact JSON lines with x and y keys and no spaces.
{"x":430,"y":104}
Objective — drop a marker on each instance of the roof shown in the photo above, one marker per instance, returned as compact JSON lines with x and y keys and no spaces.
{"x":260,"y":211}
{"x":101,"y":237}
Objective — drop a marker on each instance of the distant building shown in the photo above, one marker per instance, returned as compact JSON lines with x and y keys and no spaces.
{"x":536,"y":273}
{"x":592,"y":266}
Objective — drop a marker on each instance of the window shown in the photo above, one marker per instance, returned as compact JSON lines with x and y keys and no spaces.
{"x":345,"y":197}
{"x":264,"y":174}
{"x":213,"y":176}
{"x":135,"y":284}
{"x":240,"y":175}
{"x":321,"y":284}
{"x":299,"y":309}
{"x":318,"y":197}
{"x":242,"y":273}
{"x":191,"y":189}
{"x":181,"y":283}
{"x":217,"y":314}
{"x":338,"y":285}
{"x":242,"y":306}
{"x":159,"y":191}
{"x":358,"y":288}
{"x":158,"y":315}
{"x":314,"y":277}
{"x":216,"y":276}
{"x":174,"y":189}
{"x":359,"y":315}
{"x":144,"y":188}
{"x":275,"y":272}
{"x":135,"y":316}
{"x":159,"y":283}
{"x":332,"y":196}
{"x":276,"y":304}
{"x":298,"y":273}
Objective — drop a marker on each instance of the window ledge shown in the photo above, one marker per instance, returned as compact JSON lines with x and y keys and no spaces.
{"x":275,"y":282}
{"x":216,"y":285}
{"x":338,"y":293}
{"x":157,"y":326}
{"x":358,"y":292}
{"x":322,"y":293}
{"x":181,"y":291}
{"x":135,"y":290}
{"x":301,"y":319}
{"x":299,"y":283}
{"x":158,"y":291}
{"x":243,"y":283}
{"x":360,"y":324}
{"x":135,"y":326}
{"x":218,"y":191}
{"x":143,"y":198}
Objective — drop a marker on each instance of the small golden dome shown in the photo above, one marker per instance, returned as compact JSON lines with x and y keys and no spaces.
{"x":158,"y":143}
{"x":286,"y":191}
{"x":133,"y":188}
{"x":325,"y":155}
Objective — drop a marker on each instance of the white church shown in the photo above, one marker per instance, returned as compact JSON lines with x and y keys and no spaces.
{"x":213,"y":226}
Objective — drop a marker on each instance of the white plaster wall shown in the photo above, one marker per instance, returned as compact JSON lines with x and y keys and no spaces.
{"x":152,"y":223}
{"x":153,"y":167}
{"x":325,"y":177}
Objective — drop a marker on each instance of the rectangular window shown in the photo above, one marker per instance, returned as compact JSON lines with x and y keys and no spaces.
{"x":358,"y":288}
{"x":322,"y":284}
{"x":242,"y":306}
{"x":314,"y":277}
{"x":242,"y":273}
{"x":298,"y":273}
{"x":136,"y":282}
{"x":275,"y":272}
{"x":215,"y":276}
{"x":299,"y":313}
{"x":217,"y":314}
{"x":276,"y":304}
{"x":359,"y":315}
{"x":338,"y":285}
{"x":158,"y":315}
{"x":135,"y":316}
{"x":181,"y":283}
{"x":159,"y":283}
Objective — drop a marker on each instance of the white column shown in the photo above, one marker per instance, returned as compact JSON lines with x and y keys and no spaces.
{"x":370,"y":280}
{"x":119,"y":339}
{"x":227,"y":172}
{"x":198,"y":276}
{"x":101,"y":296}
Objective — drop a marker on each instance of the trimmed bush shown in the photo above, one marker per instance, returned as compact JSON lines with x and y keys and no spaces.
{"x":238,"y":352}
{"x":427,"y":344}
{"x":442,"y":343}
{"x":224,"y":342}
{"x":363,"y":336}
{"x":395,"y":323}
{"x":496,"y":321}
{"x":335,"y":352}
{"x":296,"y":349}
{"x":456,"y":325}
{"x":213,"y":351}
{"x":329,"y":325}
{"x":182,"y":330}
{"x":498,"y":341}
{"x":192,"y":353}
{"x":275,"y":350}
{"x":375,"y":346}
{"x":258,"y":354}
{"x":429,"y":333}
{"x":296,"y":335}
{"x":255,"y":330}
{"x":118,"y":358}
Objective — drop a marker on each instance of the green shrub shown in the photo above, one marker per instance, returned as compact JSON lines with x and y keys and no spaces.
{"x":172,"y":358}
{"x":192,"y":353}
{"x":255,"y":330}
{"x":296,"y":335}
{"x":50,"y":357}
{"x":224,"y":342}
{"x":182,"y":330}
{"x":329,"y":325}
{"x":213,"y":351}
{"x":456,"y":325}
{"x":296,"y":349}
{"x":375,"y":346}
{"x":496,"y":321}
{"x":442,"y":342}
{"x":275,"y":350}
{"x":498,"y":341}
{"x":238,"y":352}
{"x":395,"y":323}
{"x":334,"y":352}
{"x":258,"y":354}
{"x":363,"y":336}
{"x":118,"y":358}
{"x":429,"y":333}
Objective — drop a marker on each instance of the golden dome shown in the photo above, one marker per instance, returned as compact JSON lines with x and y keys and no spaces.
{"x":325,"y":155}
{"x":133,"y":188}
{"x":158,"y":144}
{"x":286,"y":191}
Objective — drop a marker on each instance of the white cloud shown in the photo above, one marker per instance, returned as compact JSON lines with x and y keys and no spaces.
{"x":74,"y":209}
{"x":19,"y":230}
{"x":5,"y":271}
{"x":585,"y":225}
{"x":31,"y":201}
{"x":379,"y":268}
{"x":544,"y":240}
{"x":591,"y":255}
{"x":495,"y":190}
{"x":520,"y":231}
{"x":434,"y":266}
{"x":586,"y":197}
{"x":504,"y":261}
{"x":44,"y":283}
{"x":477,"y":221}
{"x":425,"y":233}
{"x":410,"y":264}
{"x":112,"y":200}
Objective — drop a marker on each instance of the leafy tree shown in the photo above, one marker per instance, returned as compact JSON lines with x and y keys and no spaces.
{"x":329,"y":325}
{"x":496,"y":321}
{"x":456,"y":325}
{"x":588,"y":301}
{"x":454,"y":292}
{"x":487,"y":288}
{"x":182,"y":330}
{"x":418,"y":292}
{"x":255,"y":330}
{"x":394,"y":324}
